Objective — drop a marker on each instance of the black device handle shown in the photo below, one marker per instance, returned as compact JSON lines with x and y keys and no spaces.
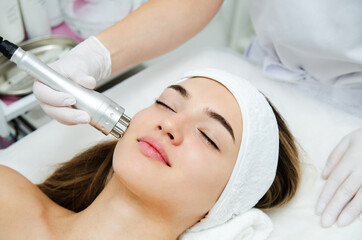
{"x":7,"y":48}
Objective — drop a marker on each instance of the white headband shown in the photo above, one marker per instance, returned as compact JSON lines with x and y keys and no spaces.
{"x":255,"y":167}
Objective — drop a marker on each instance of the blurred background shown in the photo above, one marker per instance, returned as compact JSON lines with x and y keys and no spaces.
{"x":50,"y":28}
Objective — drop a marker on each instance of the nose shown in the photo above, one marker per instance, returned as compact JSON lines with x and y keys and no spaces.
{"x":171,"y":128}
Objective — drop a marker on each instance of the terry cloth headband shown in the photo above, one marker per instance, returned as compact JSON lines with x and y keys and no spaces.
{"x":256,"y":165}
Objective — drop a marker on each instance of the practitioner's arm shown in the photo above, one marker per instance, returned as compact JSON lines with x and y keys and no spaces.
{"x":153,"y":29}
{"x":156,"y":28}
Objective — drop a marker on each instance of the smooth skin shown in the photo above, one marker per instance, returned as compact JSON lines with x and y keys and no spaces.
{"x":144,"y":199}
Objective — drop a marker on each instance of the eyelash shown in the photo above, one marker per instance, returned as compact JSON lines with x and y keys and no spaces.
{"x":208,"y":140}
{"x":164,"y":105}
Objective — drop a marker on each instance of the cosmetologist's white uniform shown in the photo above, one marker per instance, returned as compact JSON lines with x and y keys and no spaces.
{"x":315,"y":45}
{"x":320,"y":38}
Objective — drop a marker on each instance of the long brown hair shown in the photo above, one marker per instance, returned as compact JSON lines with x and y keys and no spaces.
{"x":287,"y":177}
{"x":76,"y":183}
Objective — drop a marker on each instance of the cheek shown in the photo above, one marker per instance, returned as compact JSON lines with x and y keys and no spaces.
{"x":205,"y":175}
{"x":122,"y":158}
{"x":140,"y":175}
{"x":144,"y":177}
{"x":128,"y":162}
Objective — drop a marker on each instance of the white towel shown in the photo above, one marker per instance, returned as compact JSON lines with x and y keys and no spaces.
{"x":252,"y":225}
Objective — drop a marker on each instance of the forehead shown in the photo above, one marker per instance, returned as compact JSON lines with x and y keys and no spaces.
{"x":196,"y":83}
{"x":201,"y":88}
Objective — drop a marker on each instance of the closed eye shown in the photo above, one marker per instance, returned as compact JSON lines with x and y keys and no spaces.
{"x":204,"y":135}
{"x":158,"y":102}
{"x":208,"y":140}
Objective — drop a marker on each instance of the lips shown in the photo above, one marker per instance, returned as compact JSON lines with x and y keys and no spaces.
{"x":153,"y":149}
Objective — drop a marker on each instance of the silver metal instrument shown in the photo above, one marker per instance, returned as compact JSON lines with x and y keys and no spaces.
{"x":106,"y":115}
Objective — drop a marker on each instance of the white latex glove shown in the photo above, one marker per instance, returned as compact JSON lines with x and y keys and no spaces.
{"x":341,"y":197}
{"x":85,"y":64}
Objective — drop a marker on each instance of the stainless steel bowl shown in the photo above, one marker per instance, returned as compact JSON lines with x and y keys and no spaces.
{"x":14,"y":81}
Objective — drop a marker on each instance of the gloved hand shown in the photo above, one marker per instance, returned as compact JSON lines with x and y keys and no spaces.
{"x":341,"y":197}
{"x":85,"y":64}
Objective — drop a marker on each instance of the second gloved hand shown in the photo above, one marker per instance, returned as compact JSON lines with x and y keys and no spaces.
{"x":341,"y":197}
{"x":85,"y":64}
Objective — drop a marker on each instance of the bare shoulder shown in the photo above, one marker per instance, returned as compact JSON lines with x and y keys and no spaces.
{"x":6,"y":172}
{"x":21,"y":203}
{"x":10,"y":179}
{"x":17,"y":192}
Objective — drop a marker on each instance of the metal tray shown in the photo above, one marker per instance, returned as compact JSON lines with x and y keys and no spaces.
{"x":14,"y":81}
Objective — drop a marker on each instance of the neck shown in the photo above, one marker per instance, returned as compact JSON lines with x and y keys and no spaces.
{"x":117,"y":214}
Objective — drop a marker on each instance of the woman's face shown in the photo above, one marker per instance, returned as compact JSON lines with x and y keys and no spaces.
{"x":178,"y":153}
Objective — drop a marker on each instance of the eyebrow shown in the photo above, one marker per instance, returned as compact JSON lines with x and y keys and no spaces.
{"x":180,"y":90}
{"x":183,"y":92}
{"x":222,"y":120}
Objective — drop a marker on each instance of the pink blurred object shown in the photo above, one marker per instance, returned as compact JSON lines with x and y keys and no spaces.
{"x":64,"y":30}
{"x":9,"y":99}
{"x":6,"y":141}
